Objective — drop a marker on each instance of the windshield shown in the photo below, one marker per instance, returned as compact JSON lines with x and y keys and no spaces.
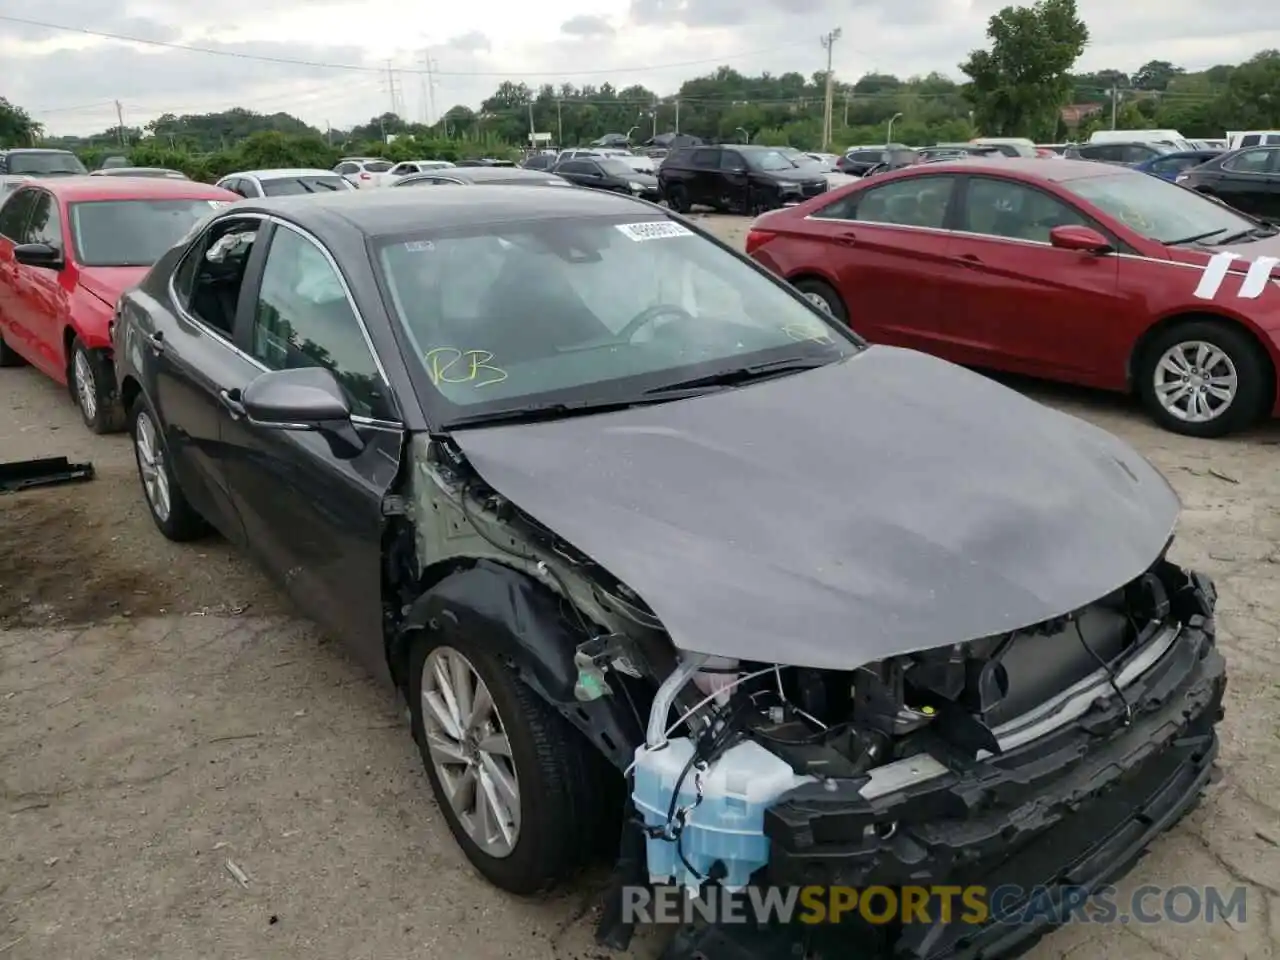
{"x":53,"y":164}
{"x":768,"y":160}
{"x":1159,"y":209}
{"x":132,"y":233}
{"x":617,"y":168}
{"x":288,"y":186}
{"x":587,"y":311}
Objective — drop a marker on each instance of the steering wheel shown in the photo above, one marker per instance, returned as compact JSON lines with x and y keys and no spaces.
{"x":648,"y":315}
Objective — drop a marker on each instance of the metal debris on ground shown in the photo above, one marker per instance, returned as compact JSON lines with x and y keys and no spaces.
{"x":42,"y":472}
{"x":242,"y":878}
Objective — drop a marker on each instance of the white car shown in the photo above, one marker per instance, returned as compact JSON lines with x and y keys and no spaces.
{"x":283,"y":182}
{"x":419,"y":166}
{"x":639,"y":163}
{"x":366,"y":172}
{"x":828,"y":160}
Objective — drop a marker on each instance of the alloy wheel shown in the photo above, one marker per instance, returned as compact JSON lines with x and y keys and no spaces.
{"x":86,"y":386}
{"x":470,"y":751}
{"x":155,"y":479}
{"x":819,"y":301}
{"x":1196,"y":381}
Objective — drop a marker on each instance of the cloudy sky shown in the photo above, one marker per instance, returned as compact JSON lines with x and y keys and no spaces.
{"x":69,"y":80}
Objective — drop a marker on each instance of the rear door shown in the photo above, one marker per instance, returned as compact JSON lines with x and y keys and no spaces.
{"x":705,"y":181}
{"x":734,"y":183}
{"x":44,"y":304}
{"x":314,"y":519}
{"x":887,"y":247}
{"x":197,"y":364}
{"x":1024,"y":305}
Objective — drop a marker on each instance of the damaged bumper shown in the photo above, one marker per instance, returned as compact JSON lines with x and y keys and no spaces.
{"x":1065,"y":812}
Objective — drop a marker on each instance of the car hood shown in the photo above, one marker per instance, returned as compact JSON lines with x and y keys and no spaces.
{"x":879,"y":506}
{"x":640,"y":176}
{"x":107,"y":283}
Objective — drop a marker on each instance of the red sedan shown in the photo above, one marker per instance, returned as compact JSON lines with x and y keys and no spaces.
{"x":1073,"y":271}
{"x":68,"y":249}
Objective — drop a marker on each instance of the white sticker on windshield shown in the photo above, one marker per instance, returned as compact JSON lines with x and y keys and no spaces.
{"x":419,"y":246}
{"x":654,"y":230}
{"x":219,"y":204}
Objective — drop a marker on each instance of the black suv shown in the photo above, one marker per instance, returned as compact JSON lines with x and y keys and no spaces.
{"x":737,"y":178}
{"x":36,"y":162}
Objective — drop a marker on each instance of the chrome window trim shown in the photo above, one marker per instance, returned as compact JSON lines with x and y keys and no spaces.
{"x":346,"y":289}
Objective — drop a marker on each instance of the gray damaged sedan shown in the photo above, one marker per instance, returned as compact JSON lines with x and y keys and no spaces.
{"x":665,"y":562}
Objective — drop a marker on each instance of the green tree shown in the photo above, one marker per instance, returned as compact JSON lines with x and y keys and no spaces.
{"x":1156,"y":75}
{"x":1018,"y":86}
{"x":16,"y":126}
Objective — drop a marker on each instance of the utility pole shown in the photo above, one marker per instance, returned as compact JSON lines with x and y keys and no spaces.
{"x":120,"y":122}
{"x":533,"y":131}
{"x":1115,"y":97}
{"x":829,"y":42}
{"x":428,"y":79}
{"x":655,"y":118}
{"x":328,"y":133}
{"x":392,"y":92}
{"x":559,"y":124}
{"x":677,"y":116}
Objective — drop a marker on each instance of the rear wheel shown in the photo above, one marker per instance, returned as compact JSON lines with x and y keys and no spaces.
{"x":173,"y":515}
{"x":8,"y":356}
{"x":823,"y":296}
{"x":1204,"y":378}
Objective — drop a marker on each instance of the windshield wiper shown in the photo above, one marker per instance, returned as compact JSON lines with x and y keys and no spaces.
{"x":1253,"y":233}
{"x":1194,"y":237}
{"x":542,"y":412}
{"x":728,"y":378}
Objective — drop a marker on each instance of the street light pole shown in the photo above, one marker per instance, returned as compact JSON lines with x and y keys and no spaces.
{"x":828,"y":42}
{"x":888,"y":137}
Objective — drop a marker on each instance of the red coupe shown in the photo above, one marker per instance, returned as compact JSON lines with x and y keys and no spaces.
{"x":1073,"y":271}
{"x":68,"y":248}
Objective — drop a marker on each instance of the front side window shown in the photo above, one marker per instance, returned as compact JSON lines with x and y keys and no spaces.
{"x":1002,"y":208}
{"x":1157,"y":208}
{"x":15,"y":215}
{"x":208,"y":280}
{"x":911,"y":202}
{"x":132,"y":233}
{"x":586,"y":310}
{"x":304,"y":318}
{"x":45,"y":225}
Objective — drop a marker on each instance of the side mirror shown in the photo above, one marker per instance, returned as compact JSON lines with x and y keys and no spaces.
{"x":38,"y":255}
{"x":1082,"y":239}
{"x":303,"y":399}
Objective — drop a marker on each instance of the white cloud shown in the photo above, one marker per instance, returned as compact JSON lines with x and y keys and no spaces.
{"x":70,"y":80}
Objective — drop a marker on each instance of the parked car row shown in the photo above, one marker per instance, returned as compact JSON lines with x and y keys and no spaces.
{"x":449,"y":431}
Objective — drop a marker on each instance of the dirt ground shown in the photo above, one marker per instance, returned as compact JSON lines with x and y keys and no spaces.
{"x":164,"y":715}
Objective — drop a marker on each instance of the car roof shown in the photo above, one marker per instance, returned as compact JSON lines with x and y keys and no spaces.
{"x":1026,"y":168}
{"x":482,"y":174}
{"x":89,"y":187}
{"x":278,"y":173}
{"x":377,"y":213}
{"x":8,"y":150}
{"x":125,"y":171}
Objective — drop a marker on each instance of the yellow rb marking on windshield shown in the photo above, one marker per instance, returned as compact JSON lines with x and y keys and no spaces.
{"x":451,"y":365}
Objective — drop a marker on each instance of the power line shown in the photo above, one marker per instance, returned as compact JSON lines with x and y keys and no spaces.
{"x":364,"y":68}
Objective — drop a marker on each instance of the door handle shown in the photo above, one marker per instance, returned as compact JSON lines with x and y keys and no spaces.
{"x":231,"y":400}
{"x":847,"y":238}
{"x":969,"y":260}
{"x":156,"y":341}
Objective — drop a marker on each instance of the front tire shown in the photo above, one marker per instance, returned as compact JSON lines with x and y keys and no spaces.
{"x":519,"y":787}
{"x":1204,"y":378}
{"x":8,"y":356}
{"x":173,"y":515}
{"x":678,"y":198}
{"x":92,"y":378}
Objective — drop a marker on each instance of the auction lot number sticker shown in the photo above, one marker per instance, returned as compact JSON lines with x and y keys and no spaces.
{"x":653,"y":230}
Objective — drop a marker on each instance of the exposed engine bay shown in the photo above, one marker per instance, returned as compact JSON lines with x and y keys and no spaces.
{"x":743,"y":771}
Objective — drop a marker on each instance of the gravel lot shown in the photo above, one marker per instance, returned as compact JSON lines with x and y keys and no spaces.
{"x":163,"y":712}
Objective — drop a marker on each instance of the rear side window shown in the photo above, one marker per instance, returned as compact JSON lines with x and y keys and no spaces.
{"x":912,"y":202}
{"x":1251,"y":161}
{"x":706,"y":159}
{"x":678,"y":158}
{"x":346,"y":169}
{"x":1251,"y":140}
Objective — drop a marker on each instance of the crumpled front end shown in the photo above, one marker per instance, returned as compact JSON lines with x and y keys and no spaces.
{"x":958,"y":767}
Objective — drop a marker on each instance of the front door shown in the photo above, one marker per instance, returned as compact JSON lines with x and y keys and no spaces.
{"x":312,"y":517}
{"x":197,"y":363}
{"x":1027,"y":306}
{"x":45,"y":301}
{"x":15,"y":214}
{"x":887,"y":246}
